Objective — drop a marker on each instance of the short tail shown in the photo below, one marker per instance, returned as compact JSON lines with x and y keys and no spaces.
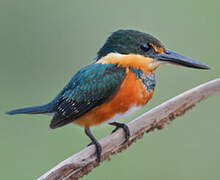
{"x":32,"y":110}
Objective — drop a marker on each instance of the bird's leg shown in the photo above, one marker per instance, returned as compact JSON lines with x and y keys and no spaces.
{"x":124,"y":127}
{"x":95,"y":142}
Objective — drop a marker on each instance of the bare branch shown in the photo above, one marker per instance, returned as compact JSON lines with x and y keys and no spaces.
{"x":84,"y":161}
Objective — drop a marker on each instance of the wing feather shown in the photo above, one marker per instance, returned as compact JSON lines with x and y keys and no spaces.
{"x":90,"y":87}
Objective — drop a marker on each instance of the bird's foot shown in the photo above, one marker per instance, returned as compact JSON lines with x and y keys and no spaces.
{"x":124,"y":127}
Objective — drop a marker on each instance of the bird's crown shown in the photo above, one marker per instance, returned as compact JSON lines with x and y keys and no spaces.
{"x":130,"y":42}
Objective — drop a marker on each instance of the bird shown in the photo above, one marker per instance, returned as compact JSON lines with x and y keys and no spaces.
{"x":119,"y":82}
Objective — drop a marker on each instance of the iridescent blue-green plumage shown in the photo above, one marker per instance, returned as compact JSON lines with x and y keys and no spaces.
{"x":89,"y":87}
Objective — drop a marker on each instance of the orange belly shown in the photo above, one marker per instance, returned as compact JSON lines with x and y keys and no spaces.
{"x":131,"y":93}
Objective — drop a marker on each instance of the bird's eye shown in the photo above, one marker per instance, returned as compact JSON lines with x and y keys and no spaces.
{"x":145,"y":47}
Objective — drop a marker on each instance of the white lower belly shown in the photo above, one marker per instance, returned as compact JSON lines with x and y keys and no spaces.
{"x":120,"y":116}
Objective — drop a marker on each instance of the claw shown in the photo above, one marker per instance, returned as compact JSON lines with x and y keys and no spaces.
{"x":124,"y":127}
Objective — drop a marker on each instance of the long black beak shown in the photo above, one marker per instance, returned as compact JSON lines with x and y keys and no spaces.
{"x":174,"y":58}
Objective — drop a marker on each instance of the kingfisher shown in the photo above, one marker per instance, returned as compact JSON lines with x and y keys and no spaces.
{"x":119,"y":82}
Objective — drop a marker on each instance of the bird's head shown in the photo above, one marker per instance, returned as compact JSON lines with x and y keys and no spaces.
{"x":141,"y":50}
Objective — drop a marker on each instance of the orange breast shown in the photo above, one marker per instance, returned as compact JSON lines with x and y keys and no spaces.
{"x":131,"y":92}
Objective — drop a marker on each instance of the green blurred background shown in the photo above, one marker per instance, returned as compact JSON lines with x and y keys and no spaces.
{"x":44,"y":42}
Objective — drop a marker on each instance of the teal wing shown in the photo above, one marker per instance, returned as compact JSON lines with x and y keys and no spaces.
{"x":90,"y":87}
